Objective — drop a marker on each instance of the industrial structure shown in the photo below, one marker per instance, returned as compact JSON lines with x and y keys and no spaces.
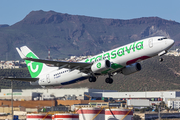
{"x":171,"y":98}
{"x":86,"y":94}
{"x":90,"y":103}
{"x":49,"y":94}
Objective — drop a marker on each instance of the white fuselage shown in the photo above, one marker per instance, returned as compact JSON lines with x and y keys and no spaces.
{"x":123,"y":56}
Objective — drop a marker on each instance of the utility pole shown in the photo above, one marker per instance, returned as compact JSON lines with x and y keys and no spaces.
{"x":159,"y":116}
{"x":145,"y":91}
{"x":12,"y":99}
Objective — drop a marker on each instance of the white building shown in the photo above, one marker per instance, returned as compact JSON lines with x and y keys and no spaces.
{"x":9,"y":64}
{"x":155,"y":97}
{"x":147,"y":94}
{"x":79,"y":93}
{"x":173,"y":104}
{"x":30,"y":94}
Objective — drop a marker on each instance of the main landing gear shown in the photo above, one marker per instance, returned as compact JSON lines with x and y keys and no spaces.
{"x":109,"y":79}
{"x":92,"y":79}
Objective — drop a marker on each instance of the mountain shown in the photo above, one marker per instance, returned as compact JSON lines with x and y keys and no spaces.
{"x":4,"y":25}
{"x":67,"y":35}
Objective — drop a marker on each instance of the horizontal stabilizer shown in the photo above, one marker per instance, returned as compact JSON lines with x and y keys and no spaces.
{"x":23,"y":79}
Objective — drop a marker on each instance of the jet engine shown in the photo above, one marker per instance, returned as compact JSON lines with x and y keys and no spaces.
{"x":100,"y":66}
{"x":129,"y":69}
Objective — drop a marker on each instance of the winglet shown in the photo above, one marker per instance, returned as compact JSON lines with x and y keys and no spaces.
{"x":20,"y":53}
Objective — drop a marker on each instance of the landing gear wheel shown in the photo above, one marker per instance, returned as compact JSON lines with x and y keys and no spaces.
{"x":160,"y":59}
{"x":109,"y":80}
{"x":92,"y":79}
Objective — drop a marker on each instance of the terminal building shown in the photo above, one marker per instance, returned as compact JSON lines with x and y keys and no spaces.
{"x":137,"y":95}
{"x":44,"y":94}
{"x":85,"y":94}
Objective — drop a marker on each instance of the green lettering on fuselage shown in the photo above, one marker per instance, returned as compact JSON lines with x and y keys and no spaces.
{"x":100,"y":58}
{"x":128,"y":49}
{"x":92,"y":59}
{"x":118,"y":52}
{"x":106,"y":54}
{"x":87,"y":60}
{"x":134,"y":47}
{"x":139,"y":45}
{"x":113,"y":54}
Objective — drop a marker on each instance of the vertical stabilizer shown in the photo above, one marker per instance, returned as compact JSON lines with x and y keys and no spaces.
{"x":36,"y":69}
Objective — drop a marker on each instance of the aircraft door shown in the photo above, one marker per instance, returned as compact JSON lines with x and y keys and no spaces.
{"x":48,"y":78}
{"x":150,"y":43}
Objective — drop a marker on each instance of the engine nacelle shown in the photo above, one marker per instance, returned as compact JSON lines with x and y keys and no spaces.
{"x":131,"y":69}
{"x":100,"y":66}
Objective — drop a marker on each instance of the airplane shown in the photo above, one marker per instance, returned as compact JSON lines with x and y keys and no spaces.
{"x":124,"y":60}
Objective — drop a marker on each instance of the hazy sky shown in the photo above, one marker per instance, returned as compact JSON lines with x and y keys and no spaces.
{"x":12,"y":11}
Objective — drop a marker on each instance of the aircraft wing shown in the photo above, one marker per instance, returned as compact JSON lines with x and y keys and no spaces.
{"x":23,"y":79}
{"x":63,"y":64}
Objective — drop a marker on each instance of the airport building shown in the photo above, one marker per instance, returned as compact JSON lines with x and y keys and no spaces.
{"x":148,"y":94}
{"x":83,"y":93}
{"x":47,"y":94}
{"x":44,"y":100}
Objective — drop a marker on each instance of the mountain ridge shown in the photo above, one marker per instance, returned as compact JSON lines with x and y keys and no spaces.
{"x":54,"y":17}
{"x":66,"y":35}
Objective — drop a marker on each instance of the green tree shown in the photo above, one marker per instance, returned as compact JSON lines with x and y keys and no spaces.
{"x":136,"y":117}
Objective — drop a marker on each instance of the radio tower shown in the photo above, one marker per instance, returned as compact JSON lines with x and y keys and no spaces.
{"x":49,"y":54}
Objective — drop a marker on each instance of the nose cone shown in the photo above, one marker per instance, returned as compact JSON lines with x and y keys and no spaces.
{"x":170,"y":42}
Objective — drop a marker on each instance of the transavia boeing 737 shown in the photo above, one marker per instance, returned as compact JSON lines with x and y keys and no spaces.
{"x":122,"y":60}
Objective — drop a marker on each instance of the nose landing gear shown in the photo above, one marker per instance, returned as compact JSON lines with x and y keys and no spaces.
{"x":161,"y":54}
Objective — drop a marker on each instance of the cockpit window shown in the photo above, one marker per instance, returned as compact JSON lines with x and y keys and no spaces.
{"x":162,"y":38}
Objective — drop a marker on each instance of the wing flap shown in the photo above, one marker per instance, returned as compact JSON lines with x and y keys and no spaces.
{"x":23,"y":79}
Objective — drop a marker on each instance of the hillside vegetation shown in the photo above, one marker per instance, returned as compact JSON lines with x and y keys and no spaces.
{"x":23,"y":72}
{"x":153,"y":76}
